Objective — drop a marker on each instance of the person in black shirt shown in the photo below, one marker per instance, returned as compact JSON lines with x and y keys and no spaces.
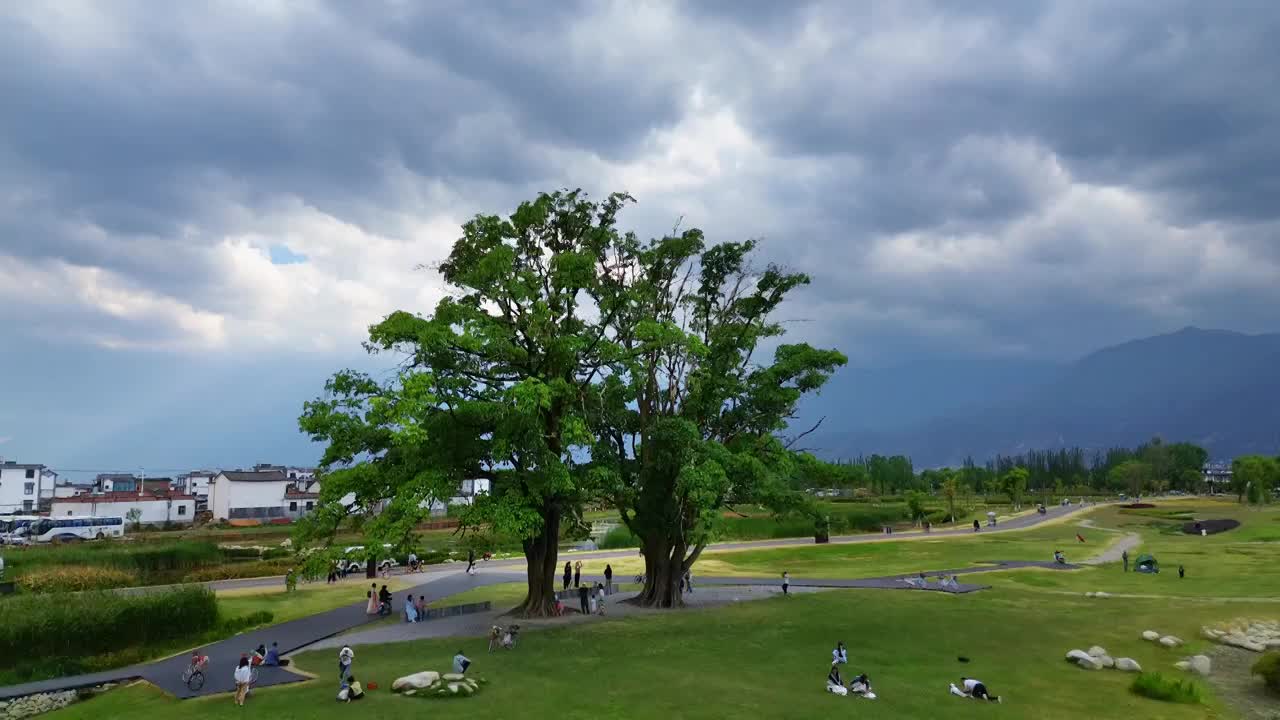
{"x":568,"y":574}
{"x":584,"y":595}
{"x":608,"y":579}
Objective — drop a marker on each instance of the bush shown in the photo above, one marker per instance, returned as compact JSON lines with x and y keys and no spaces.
{"x":34,"y":630}
{"x":75,"y":578}
{"x":1268,"y":668}
{"x":236,"y":571}
{"x":1158,"y":687}
{"x":619,"y":537}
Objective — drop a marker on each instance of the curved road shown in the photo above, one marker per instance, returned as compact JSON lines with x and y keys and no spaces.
{"x":445,"y":581}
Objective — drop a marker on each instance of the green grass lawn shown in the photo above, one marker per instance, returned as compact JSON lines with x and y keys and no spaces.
{"x":768,"y":658}
{"x":763,"y":659}
{"x":308,"y":599}
{"x":870,"y":559}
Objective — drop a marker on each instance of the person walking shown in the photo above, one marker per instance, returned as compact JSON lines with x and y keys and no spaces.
{"x":608,"y":579}
{"x":577,"y":573}
{"x":786,"y":583}
{"x":600,"y":599}
{"x":584,"y":597}
{"x":1124,"y":557}
{"x":568,"y":574}
{"x":333,"y":573}
{"x":243,"y":676}
{"x":471,"y":560}
{"x":688,"y":581}
{"x":1182,"y":572}
{"x":976,"y":525}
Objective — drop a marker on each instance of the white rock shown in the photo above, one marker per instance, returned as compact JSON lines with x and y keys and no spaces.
{"x":416,"y":681}
{"x":453,"y":677}
{"x":1201,"y":664}
{"x":1273,"y":643}
{"x":1106,"y":661}
{"x":1128,"y":665}
{"x":1089,"y":594}
{"x":1097,"y":651}
{"x":453,"y":687}
{"x":1101,"y":594}
{"x":1182,"y":665}
{"x":1170,"y":641}
{"x":1151,"y":635}
{"x":1076,"y":655}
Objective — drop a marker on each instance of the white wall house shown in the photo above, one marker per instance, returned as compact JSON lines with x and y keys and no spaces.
{"x":21,"y":486}
{"x":467,"y":492}
{"x":248,"y":495}
{"x":196,"y":482}
{"x":156,"y":510}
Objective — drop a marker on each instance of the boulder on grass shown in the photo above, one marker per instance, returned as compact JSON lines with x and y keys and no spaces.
{"x":1170,"y":641}
{"x":1097,"y":651}
{"x":1182,"y":665}
{"x":416,"y":681}
{"x":1128,"y":665}
{"x":453,"y":677}
{"x":1106,"y":661}
{"x":1101,"y":594}
{"x":1077,"y":655}
{"x":1151,"y":635}
{"x":1201,"y":664}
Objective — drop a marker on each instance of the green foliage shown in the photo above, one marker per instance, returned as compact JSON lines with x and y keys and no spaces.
{"x":1014,"y":482}
{"x":1253,"y":476}
{"x":617,"y":538}
{"x":1131,"y":475}
{"x":915,"y":505}
{"x":493,"y":387}
{"x":147,"y":559}
{"x":1158,"y":687}
{"x":1268,"y":668}
{"x":33,"y":629}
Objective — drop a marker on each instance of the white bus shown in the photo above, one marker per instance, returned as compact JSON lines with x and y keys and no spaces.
{"x":64,"y":529}
{"x":15,"y":526}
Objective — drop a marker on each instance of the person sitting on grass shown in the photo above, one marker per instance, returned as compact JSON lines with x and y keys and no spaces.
{"x":461,"y":663}
{"x":351,"y":690}
{"x":259,"y":655}
{"x":840,"y":655}
{"x":861,"y":686}
{"x":835,"y":684}
{"x":1059,"y":558}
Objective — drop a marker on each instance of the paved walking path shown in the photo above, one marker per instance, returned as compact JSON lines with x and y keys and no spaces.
{"x":448,"y":580}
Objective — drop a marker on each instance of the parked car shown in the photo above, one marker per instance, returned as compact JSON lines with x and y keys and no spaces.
{"x":356,"y":564}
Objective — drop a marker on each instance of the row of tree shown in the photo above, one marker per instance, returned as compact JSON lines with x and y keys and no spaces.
{"x":572,"y":365}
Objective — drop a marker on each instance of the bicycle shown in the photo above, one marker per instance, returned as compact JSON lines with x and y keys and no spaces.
{"x":193,"y":676}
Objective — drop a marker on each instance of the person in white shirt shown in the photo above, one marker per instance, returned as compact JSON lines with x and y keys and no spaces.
{"x":840,"y":655}
{"x":786,"y":582}
{"x":460,"y":663}
{"x":244,"y":674}
{"x":345,"y":656}
{"x":977,"y":690}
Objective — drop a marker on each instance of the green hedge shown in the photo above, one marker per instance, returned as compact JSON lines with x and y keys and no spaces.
{"x":1268,"y":668}
{"x":618,"y":538}
{"x":34,"y":628}
{"x":1158,"y":687}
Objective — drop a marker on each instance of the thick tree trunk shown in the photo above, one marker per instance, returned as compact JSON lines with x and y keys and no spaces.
{"x":665,"y":564}
{"x":541,"y":557}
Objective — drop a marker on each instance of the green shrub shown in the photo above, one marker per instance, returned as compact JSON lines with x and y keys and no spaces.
{"x":35,"y":630}
{"x":1268,"y":668}
{"x":1158,"y":687}
{"x":146,"y":558}
{"x":619,"y":537}
{"x":75,"y":578}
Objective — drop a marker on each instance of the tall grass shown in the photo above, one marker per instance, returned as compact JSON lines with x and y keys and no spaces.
{"x":1158,"y":687}
{"x":144,"y":558}
{"x":35,"y":629}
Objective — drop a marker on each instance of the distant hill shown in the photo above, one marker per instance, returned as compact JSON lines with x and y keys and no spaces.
{"x":1216,"y":388}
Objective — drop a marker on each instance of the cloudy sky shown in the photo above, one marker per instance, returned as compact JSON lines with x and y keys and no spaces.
{"x":203,"y":206}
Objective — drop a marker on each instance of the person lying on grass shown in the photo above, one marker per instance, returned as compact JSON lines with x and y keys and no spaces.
{"x":974,"y":689}
{"x":861,"y":685}
{"x":461,"y":663}
{"x":351,"y":690}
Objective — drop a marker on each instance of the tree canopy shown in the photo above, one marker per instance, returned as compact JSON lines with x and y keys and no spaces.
{"x":490,"y":385}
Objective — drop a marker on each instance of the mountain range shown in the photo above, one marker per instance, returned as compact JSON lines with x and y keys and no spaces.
{"x":1216,"y":388}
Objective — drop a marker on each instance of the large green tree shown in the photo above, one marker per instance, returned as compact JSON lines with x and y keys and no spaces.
{"x":490,"y":385}
{"x":1254,"y":476}
{"x":687,"y":421}
{"x":1132,"y":475}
